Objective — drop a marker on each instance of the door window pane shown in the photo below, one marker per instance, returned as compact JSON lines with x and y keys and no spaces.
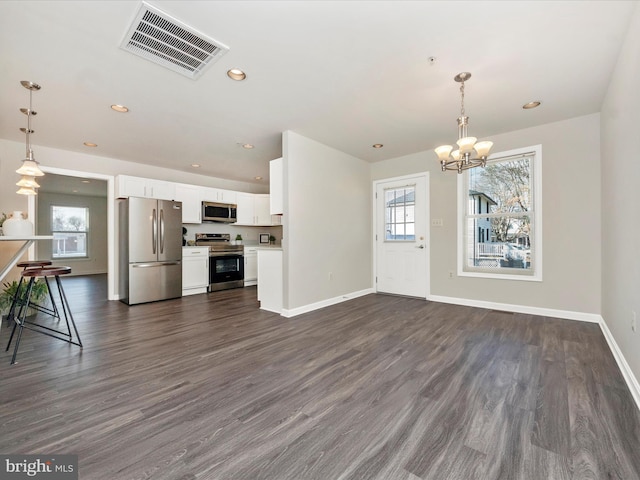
{"x":400,"y":208}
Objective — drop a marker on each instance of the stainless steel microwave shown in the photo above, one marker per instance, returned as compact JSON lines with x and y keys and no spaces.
{"x":219,"y":212}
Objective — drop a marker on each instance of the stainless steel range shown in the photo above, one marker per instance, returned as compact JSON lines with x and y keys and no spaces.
{"x":226,"y":261}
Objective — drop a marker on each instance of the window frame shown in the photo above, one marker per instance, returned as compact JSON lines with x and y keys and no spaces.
{"x":535,"y":273}
{"x":86,"y":233}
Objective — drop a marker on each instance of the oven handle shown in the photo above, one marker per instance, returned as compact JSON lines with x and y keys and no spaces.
{"x":225,"y":254}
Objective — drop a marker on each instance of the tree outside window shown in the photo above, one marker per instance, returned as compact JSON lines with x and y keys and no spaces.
{"x":500,"y":216}
{"x":70,"y":226}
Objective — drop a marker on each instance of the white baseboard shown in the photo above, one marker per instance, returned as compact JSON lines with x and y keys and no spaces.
{"x":627,"y":373}
{"x":545,"y":312}
{"x":325,"y":303}
{"x":625,"y":369}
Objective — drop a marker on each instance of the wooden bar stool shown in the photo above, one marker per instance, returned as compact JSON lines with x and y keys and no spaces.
{"x":16,"y":296}
{"x":21,"y":322}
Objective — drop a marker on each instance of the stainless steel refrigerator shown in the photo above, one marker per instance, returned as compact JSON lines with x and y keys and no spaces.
{"x":150,"y":250}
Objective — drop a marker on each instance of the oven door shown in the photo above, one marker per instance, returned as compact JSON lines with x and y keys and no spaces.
{"x":226,"y":270}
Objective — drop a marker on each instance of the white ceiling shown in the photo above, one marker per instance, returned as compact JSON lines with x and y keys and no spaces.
{"x":348,"y":74}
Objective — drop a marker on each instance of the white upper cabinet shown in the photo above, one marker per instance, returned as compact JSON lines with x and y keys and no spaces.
{"x":127,"y":186}
{"x":191,"y":197}
{"x":219,"y":195}
{"x":245,"y":213}
{"x":276,"y":186}
{"x":253,"y":209}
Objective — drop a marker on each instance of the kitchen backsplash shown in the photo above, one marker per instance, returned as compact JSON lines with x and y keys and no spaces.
{"x":250,"y":235}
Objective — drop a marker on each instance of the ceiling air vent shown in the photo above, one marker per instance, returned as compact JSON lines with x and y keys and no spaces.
{"x":162,"y":39}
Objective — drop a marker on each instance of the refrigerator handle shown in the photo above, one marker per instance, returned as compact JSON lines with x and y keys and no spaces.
{"x":154,"y":230}
{"x":162,"y":230}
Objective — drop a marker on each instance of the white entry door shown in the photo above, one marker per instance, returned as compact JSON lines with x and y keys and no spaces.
{"x":401,"y":242}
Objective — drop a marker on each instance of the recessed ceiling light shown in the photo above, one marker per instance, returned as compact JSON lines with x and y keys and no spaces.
{"x":236,"y":74}
{"x":86,"y":181}
{"x":248,"y":146}
{"x":530,"y":105}
{"x":377,"y":145}
{"x":195,"y":165}
{"x":74,"y":191}
{"x":119,"y":108}
{"x":90,"y":144}
{"x":258,"y":177}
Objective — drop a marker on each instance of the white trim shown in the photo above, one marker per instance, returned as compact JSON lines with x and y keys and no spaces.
{"x":537,"y":218}
{"x":111,"y":220}
{"x":627,"y":373}
{"x":544,"y":312}
{"x":325,"y":303}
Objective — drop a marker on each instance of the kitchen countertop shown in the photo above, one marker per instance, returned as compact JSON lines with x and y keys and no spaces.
{"x":269,"y":247}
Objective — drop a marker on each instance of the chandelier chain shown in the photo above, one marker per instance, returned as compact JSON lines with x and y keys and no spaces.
{"x":462,"y":99}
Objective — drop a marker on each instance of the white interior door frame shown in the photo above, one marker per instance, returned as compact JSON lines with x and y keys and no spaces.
{"x":413,"y":178}
{"x":111,"y":220}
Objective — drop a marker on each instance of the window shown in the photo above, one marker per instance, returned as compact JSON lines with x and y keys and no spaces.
{"x":499,"y":210}
{"x":69,"y":226}
{"x":399,"y":215}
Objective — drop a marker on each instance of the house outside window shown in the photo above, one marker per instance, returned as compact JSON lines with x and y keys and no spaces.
{"x":400,"y":221}
{"x":70,"y":228}
{"x":499,"y":212}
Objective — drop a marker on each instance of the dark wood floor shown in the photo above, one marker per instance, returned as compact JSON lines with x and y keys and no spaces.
{"x":380,"y":387}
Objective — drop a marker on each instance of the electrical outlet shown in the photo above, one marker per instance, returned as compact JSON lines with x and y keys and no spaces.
{"x":330,"y":275}
{"x":450,"y":273}
{"x":436,"y":222}
{"x":634,"y":321}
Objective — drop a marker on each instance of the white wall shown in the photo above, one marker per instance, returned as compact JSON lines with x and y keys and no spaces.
{"x":97,"y":238}
{"x":327,"y":222}
{"x":11,"y":154}
{"x":571,"y":220}
{"x":620,"y":203}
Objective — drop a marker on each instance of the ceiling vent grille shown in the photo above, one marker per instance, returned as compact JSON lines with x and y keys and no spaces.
{"x":162,"y":39}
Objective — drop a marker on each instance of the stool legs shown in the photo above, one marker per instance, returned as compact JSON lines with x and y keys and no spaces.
{"x":21,"y":322}
{"x":14,"y":301}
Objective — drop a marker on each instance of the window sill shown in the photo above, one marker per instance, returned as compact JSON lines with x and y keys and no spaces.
{"x":502,"y":276}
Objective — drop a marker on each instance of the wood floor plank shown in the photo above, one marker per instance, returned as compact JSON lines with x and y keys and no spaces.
{"x":379,"y":387}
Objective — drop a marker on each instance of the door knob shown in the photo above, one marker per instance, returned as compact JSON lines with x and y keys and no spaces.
{"x":420,"y":246}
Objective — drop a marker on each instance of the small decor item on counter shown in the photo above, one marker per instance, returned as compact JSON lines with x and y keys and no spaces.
{"x":272,"y":240}
{"x":2,"y":219}
{"x":238,"y":239}
{"x":184,"y":240}
{"x":17,"y":226}
{"x":264,"y":238}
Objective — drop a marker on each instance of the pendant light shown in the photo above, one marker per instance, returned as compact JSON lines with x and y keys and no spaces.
{"x":463,"y":158}
{"x":30,"y":167}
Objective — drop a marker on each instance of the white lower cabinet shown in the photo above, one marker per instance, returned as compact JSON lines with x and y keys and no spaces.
{"x":195,"y":270}
{"x":250,"y":266}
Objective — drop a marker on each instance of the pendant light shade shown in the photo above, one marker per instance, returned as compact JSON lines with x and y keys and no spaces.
{"x":30,"y":168}
{"x":28,"y":181}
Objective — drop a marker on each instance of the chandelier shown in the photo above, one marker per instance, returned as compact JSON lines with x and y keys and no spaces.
{"x":463,"y":159}
{"x":29,"y":169}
